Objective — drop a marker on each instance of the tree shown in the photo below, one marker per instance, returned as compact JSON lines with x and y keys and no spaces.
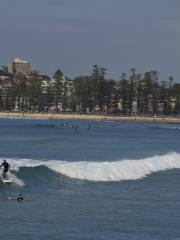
{"x":57,"y":89}
{"x":97,"y":85}
{"x":48,"y":97}
{"x":177,"y":106}
{"x":1,"y":100}
{"x":132,"y":89}
{"x":21,"y":93}
{"x":155,"y":88}
{"x":81,"y":94}
{"x":124,"y":93}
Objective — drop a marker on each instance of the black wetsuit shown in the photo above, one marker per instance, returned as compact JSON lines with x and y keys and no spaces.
{"x":6,"y":167}
{"x":20,"y":198}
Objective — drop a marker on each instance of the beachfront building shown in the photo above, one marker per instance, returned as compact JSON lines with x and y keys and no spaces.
{"x":62,"y":91}
{"x":19,"y":66}
{"x":6,"y":84}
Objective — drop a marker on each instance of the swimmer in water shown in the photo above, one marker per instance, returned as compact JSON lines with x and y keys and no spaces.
{"x":20,"y":198}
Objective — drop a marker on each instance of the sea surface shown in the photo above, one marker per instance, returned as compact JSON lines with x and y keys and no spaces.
{"x":90,"y":180}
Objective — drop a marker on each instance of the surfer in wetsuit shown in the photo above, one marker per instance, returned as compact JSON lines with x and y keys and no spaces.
{"x":6,"y":168}
{"x":20,"y":198}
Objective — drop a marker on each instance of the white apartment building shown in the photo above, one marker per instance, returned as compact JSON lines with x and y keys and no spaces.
{"x":19,"y":66}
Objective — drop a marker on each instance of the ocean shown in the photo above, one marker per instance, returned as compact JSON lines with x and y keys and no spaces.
{"x":90,"y":180}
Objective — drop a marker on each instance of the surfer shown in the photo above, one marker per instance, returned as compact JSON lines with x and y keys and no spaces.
{"x":6,"y":168}
{"x":20,"y":198}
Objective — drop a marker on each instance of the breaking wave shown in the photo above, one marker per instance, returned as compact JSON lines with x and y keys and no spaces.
{"x":101,"y":171}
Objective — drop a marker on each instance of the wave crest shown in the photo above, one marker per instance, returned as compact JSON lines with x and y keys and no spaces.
{"x":104,"y":171}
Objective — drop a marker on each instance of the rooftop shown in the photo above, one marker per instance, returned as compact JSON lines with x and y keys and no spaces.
{"x":20,"y":60}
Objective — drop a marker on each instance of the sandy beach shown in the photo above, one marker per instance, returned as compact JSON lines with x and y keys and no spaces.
{"x":89,"y":117}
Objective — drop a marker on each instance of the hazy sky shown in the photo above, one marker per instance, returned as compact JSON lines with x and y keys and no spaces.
{"x":75,"y":34}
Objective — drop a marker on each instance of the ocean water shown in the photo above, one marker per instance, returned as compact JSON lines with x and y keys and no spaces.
{"x":90,"y":180}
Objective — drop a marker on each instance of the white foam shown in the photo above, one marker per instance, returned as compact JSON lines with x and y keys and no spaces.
{"x":14,"y":179}
{"x":105,"y":171}
{"x":118,"y":170}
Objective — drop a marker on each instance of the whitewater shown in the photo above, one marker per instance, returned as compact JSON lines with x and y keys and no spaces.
{"x":100,"y":171}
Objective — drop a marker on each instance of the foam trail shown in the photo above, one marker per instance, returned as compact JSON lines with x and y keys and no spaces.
{"x":105,"y":171}
{"x":14,"y":179}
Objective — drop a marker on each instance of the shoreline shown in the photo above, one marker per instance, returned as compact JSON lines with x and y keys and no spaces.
{"x":18,"y":115}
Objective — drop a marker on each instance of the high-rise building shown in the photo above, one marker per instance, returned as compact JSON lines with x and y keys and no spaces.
{"x":19,"y":66}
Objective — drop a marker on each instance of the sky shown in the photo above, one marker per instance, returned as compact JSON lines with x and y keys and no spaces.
{"x":73,"y":35}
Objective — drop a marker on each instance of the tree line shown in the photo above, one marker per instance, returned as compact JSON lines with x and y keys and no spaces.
{"x":133,"y":93}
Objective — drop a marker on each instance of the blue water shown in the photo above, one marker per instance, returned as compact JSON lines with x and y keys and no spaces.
{"x":90,"y":180}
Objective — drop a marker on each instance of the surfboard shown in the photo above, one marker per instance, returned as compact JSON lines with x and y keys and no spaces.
{"x":7,"y":180}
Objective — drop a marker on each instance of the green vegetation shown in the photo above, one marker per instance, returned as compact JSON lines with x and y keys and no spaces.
{"x":133,"y":93}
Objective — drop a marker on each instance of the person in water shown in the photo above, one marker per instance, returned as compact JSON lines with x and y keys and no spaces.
{"x":20,"y":198}
{"x":6,"y":167}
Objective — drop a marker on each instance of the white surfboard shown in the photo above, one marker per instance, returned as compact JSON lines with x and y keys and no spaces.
{"x":7,"y":180}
